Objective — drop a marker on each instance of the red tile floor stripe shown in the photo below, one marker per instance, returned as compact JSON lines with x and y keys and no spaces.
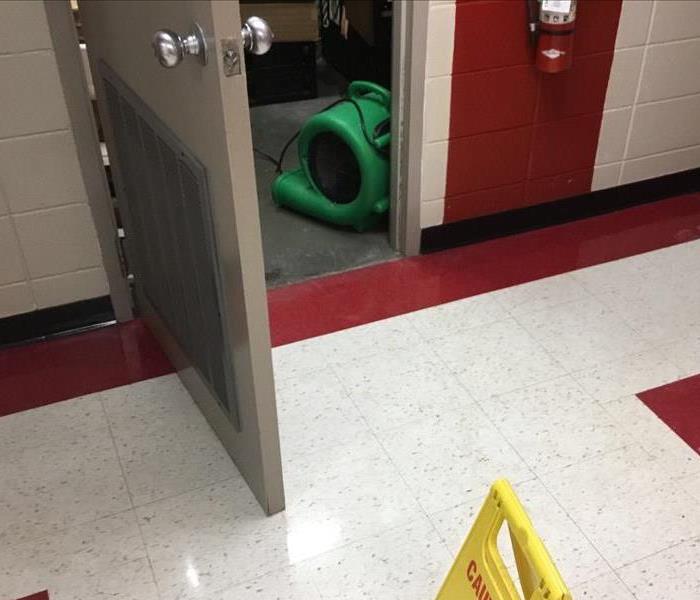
{"x":59,"y":369}
{"x":62,"y":368}
{"x":678,"y":405}
{"x":38,"y":596}
{"x":336,"y":302}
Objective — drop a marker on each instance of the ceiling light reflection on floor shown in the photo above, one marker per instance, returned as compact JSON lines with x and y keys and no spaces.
{"x":192,"y":575}
{"x":312,"y":538}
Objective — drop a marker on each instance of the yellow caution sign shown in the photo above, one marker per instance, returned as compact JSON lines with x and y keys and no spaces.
{"x":479,"y":572}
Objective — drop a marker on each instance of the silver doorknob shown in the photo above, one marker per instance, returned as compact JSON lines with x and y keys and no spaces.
{"x":170,"y":48}
{"x":257,"y":35}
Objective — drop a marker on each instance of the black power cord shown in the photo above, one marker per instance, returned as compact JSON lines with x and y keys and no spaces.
{"x":363,"y":125}
{"x":266,"y":156}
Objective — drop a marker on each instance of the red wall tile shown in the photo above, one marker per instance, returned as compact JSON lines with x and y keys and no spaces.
{"x":563,"y":146}
{"x":577,"y":91}
{"x":491,"y":100}
{"x":596,"y":26}
{"x":519,"y":137}
{"x":491,"y":34}
{"x":483,"y":202}
{"x":538,"y":191}
{"x":488,"y":160}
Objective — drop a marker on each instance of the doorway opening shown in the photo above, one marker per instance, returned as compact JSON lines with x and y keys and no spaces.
{"x":320,"y":48}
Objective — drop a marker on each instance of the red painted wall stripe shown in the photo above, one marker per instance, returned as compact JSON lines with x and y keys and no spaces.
{"x":678,"y":405}
{"x":336,"y":302}
{"x":519,"y":137}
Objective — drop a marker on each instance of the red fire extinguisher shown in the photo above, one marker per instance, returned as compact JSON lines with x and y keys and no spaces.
{"x":555,"y":34}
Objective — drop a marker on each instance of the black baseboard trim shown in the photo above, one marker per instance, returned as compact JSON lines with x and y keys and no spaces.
{"x":55,"y":321}
{"x":450,"y":235}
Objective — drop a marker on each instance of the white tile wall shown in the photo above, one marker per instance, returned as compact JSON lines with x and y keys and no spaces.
{"x":670,"y":70}
{"x":675,"y":20}
{"x":436,"y":116}
{"x":48,"y":246}
{"x":634,"y":23}
{"x":660,"y":164}
{"x":15,"y":299}
{"x":613,"y":134}
{"x":23,"y":27}
{"x":441,"y":32}
{"x":605,"y":176}
{"x":34,"y":100}
{"x":434,"y":171}
{"x":69,"y":287}
{"x":436,"y":113}
{"x":11,"y":265}
{"x":432,"y":212}
{"x":58,"y":240}
{"x":41,"y":171}
{"x":624,"y":77}
{"x":663,"y":126}
{"x":655,"y":85}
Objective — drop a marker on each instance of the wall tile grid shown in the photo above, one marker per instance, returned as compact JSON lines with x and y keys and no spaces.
{"x":436,"y":117}
{"x":626,"y":111}
{"x":518,"y":137}
{"x":49,"y":253}
{"x":655,"y":83}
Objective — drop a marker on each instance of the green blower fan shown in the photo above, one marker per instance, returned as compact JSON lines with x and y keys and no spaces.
{"x":344,"y":155}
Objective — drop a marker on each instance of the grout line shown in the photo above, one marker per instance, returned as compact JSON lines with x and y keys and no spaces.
{"x":454,"y":138}
{"x":31,"y":51}
{"x":11,"y":284}
{"x":530,"y":64}
{"x":44,"y":209}
{"x":57,"y":275}
{"x":653,"y":44}
{"x":34,"y":134}
{"x":583,"y":533}
{"x":116,"y":451}
{"x":533,"y":124}
{"x":373,"y":433}
{"x":63,"y":529}
{"x":653,"y":155}
{"x":131,"y":497}
{"x":268,"y":569}
{"x":630,"y":126}
{"x":25,"y":265}
{"x":668,"y":42}
{"x":656,"y":154}
{"x":662,"y":100}
{"x":685,"y":541}
{"x":398,"y":470}
{"x":459,"y":383}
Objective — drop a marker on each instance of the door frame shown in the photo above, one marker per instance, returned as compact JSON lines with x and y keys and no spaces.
{"x":409,"y":56}
{"x":409,"y":44}
{"x":78,"y":102}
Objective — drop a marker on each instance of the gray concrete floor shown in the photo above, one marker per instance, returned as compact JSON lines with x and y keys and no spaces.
{"x":295,"y":246}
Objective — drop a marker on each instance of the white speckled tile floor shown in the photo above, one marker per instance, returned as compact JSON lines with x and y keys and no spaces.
{"x":391,"y":435}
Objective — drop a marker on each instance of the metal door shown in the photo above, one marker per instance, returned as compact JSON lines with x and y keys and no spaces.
{"x":180,"y":146}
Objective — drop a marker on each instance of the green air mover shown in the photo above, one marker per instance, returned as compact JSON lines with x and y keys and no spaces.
{"x":344,"y":155}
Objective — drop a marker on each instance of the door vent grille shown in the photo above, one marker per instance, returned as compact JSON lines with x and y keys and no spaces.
{"x":162,"y":191}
